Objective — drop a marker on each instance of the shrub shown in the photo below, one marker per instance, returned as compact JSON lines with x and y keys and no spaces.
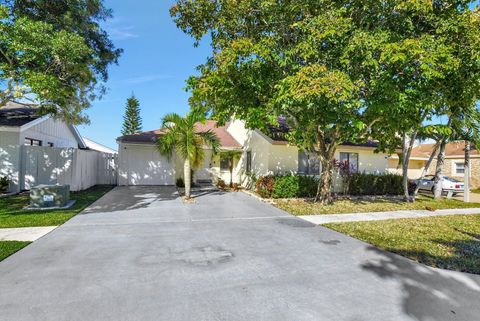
{"x":236,"y":187}
{"x":287,"y":186}
{"x":180,"y":183}
{"x":4,"y":183}
{"x":308,"y":186}
{"x":374,"y":184}
{"x":264,"y":186}
{"x":221,"y":184}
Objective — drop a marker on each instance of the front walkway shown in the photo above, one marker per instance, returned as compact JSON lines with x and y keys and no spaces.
{"x":379,"y":216}
{"x":28,"y":234}
{"x":142,"y":254}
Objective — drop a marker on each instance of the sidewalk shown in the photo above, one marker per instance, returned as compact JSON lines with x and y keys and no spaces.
{"x":378,"y":216}
{"x":28,"y":234}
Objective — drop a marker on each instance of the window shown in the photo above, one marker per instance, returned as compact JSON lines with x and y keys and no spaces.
{"x":249,"y":163}
{"x":32,"y":142}
{"x":50,"y":144}
{"x":225,"y":162}
{"x":460,"y":168}
{"x":308,"y":164}
{"x":351,"y":159}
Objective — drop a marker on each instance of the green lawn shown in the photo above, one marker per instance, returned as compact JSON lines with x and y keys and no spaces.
{"x":477,"y":190}
{"x":12,"y":214}
{"x":307,"y":207}
{"x":449,"y":242}
{"x":7,"y":248}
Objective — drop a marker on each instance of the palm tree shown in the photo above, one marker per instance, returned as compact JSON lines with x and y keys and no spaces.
{"x":182,"y":137}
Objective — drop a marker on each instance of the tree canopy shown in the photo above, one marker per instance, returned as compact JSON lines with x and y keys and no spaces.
{"x":338,"y":70}
{"x":54,"y":53}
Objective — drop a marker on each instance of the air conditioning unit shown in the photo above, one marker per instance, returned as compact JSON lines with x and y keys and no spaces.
{"x":45,"y":196}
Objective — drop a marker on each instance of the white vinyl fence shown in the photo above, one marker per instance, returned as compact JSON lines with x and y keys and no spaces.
{"x":29,"y":166}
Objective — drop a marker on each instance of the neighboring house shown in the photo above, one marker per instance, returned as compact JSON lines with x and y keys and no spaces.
{"x":20,"y":125}
{"x":454,"y":162}
{"x":98,"y":147}
{"x":260,"y":154}
{"x":42,"y":150}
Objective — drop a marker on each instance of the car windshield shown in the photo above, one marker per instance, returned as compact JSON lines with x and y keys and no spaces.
{"x":451,"y":179}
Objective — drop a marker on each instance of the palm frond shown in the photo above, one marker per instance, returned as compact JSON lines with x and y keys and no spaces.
{"x":180,"y":136}
{"x":210,"y":139}
{"x":172,"y":119}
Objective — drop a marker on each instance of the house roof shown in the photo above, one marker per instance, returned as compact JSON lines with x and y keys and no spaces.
{"x":278,"y":135}
{"x":90,"y":144}
{"x":150,"y":137}
{"x":452,"y":150}
{"x":15,"y":114}
{"x":21,"y":115}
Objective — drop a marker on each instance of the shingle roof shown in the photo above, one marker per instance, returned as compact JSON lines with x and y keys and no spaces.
{"x":16,"y":114}
{"x":452,"y":150}
{"x":278,"y":135}
{"x":150,"y":137}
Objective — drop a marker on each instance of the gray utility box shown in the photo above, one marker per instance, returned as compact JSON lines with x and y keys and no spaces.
{"x":44,"y":196}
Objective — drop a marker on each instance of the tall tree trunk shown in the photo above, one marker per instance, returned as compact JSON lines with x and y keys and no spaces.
{"x":437,"y":189}
{"x":466,"y":192}
{"x":187,"y":172}
{"x":406,"y":153}
{"x":324,"y":190}
{"x":427,"y":167}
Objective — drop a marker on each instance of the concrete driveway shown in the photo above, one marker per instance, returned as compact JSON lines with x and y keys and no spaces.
{"x":141,"y":254}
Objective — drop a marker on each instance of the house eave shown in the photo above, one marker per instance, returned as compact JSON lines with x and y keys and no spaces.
{"x":12,"y":129}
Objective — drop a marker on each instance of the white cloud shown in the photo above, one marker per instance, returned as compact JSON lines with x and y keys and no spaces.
{"x":119,"y":29}
{"x":146,"y":78}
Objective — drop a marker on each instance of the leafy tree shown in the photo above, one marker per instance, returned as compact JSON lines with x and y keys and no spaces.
{"x":54,"y":53}
{"x":460,"y":90}
{"x":181,"y":137}
{"x":338,"y":70}
{"x":132,"y":122}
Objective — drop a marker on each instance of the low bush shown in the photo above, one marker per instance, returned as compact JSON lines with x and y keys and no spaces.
{"x":287,"y":186}
{"x":4,"y":183}
{"x":264,"y":186}
{"x":292,"y":186}
{"x":374,"y":184}
{"x":221,"y":184}
{"x":180,"y":183}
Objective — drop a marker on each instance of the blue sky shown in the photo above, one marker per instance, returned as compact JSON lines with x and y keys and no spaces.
{"x":157,"y":60}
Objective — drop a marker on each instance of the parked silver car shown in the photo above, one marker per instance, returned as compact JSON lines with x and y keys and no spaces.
{"x":448,"y":184}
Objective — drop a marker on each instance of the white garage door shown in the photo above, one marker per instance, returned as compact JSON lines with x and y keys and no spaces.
{"x":143,"y":165}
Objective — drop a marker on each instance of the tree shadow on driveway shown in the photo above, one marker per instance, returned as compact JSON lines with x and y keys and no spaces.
{"x":123,"y":198}
{"x":429,"y":294}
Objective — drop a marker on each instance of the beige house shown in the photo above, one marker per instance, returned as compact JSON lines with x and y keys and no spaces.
{"x":454,"y":162}
{"x":259,"y":155}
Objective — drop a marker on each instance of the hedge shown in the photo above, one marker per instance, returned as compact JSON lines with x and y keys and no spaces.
{"x":374,"y":184}
{"x":288,"y":186}
{"x":293,"y":186}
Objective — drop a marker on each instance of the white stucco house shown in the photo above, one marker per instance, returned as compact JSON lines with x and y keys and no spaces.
{"x":20,"y":125}
{"x":261,"y":154}
{"x":42,"y":150}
